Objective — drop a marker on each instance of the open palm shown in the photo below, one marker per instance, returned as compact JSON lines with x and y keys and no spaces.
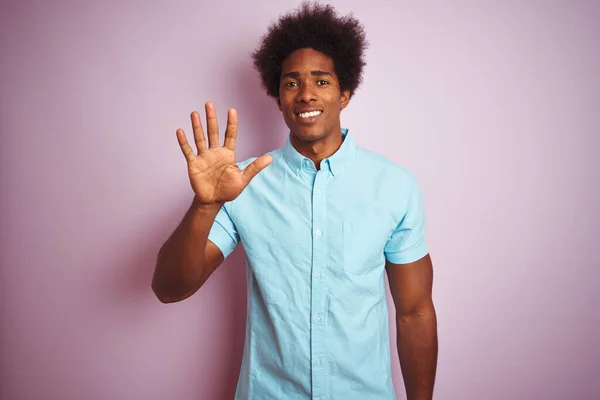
{"x":213,"y":173}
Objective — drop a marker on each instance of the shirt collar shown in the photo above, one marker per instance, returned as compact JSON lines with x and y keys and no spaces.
{"x":336,"y":162}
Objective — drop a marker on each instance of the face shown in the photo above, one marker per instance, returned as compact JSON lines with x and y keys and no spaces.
{"x":310,"y":98}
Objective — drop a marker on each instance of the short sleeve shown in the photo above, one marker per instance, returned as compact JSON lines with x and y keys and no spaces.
{"x":223,"y":232}
{"x":407,"y":242}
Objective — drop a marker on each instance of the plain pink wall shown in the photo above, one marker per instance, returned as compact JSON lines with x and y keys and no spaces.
{"x":495,"y":107}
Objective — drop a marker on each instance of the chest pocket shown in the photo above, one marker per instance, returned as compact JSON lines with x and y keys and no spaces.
{"x":363,"y":244}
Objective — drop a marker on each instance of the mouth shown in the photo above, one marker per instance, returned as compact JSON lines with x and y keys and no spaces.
{"x":308,"y":117}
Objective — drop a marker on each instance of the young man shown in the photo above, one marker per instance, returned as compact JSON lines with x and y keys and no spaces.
{"x":319,"y":224}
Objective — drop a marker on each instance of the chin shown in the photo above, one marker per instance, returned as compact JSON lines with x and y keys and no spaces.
{"x":308,"y":133}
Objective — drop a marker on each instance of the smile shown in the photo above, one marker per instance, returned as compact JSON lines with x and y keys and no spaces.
{"x":310,"y":114}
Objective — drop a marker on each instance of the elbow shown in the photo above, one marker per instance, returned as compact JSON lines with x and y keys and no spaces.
{"x":160,"y":290}
{"x":160,"y":285}
{"x":166,"y":298}
{"x":167,"y":293}
{"x":161,"y":295}
{"x":170,"y":283}
{"x":423,"y":312}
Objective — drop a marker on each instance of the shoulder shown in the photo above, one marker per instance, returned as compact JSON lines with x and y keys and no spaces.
{"x":383,"y":168}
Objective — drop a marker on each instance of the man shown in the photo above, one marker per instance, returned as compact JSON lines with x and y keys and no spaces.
{"x":320,"y":220}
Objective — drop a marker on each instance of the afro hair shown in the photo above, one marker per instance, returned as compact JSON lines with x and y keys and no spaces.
{"x":318,"y":27}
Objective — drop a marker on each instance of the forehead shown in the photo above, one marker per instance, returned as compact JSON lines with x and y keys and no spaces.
{"x":306,"y":60}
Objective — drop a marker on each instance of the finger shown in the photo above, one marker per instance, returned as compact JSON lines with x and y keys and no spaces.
{"x":185,"y":147}
{"x":231,"y":132}
{"x":198,"y":132}
{"x":257,"y":165}
{"x":212,"y":125}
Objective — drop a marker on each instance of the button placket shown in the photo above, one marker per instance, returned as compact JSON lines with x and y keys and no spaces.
{"x":318,"y":292}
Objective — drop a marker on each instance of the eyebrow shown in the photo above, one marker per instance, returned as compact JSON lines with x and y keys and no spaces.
{"x":313,"y":73}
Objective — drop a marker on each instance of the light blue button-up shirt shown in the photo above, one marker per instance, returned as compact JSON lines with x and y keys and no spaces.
{"x":316,"y":244}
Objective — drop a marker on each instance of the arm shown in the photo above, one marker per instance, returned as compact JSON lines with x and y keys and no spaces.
{"x":187,"y":258}
{"x":416,"y":325}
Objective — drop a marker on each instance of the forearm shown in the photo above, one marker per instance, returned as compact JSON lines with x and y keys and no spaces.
{"x":179,"y":266}
{"x":418,"y":350}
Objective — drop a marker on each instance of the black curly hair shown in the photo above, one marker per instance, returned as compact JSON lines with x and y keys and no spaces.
{"x":315,"y":26}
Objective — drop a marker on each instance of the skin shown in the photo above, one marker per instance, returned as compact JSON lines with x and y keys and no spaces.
{"x":416,"y":325}
{"x":308,"y":82}
{"x":188,"y":258}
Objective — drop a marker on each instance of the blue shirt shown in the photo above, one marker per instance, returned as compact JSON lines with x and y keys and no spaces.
{"x":316,"y":243}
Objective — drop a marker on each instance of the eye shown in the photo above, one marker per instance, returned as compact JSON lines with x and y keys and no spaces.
{"x":291,"y":84}
{"x":322,"y":82}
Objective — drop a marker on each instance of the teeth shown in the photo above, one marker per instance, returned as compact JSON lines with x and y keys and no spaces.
{"x":309,"y":114}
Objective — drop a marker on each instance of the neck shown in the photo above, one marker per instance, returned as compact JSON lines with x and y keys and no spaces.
{"x":319,"y":149}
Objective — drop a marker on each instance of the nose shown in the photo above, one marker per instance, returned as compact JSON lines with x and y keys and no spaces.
{"x":306,"y":94}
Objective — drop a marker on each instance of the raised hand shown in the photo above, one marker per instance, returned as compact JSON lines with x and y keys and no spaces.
{"x":213,"y":173}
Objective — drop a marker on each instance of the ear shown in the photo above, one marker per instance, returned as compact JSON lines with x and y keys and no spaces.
{"x":344,"y":99}
{"x":279,"y":104}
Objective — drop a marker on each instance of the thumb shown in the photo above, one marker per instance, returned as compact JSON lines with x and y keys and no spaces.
{"x":255,"y":167}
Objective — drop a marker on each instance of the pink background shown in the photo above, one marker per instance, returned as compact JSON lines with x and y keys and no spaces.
{"x":495,"y":107}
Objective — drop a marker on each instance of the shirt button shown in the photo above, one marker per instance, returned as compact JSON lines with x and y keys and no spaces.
{"x":318,"y":319}
{"x":318,"y":275}
{"x":318,"y":192}
{"x":318,"y":232}
{"x":317,"y":362}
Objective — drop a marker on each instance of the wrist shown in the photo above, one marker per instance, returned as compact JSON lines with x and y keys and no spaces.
{"x":209,"y":208}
